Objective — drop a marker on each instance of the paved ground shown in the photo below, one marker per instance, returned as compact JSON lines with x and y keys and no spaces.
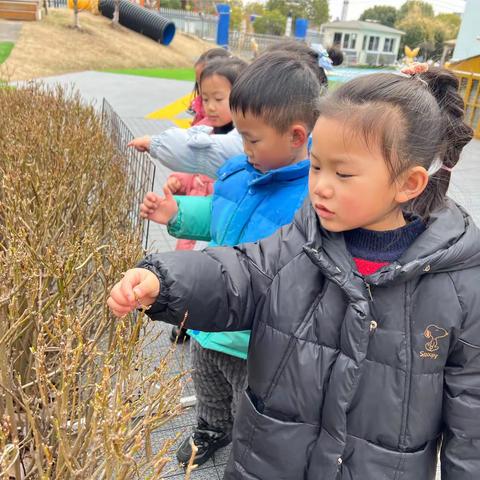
{"x":9,"y":31}
{"x":135,"y":97}
{"x":131,"y":96}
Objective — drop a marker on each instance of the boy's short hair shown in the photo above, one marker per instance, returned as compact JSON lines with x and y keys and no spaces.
{"x":280,"y":89}
{"x":230,"y":68}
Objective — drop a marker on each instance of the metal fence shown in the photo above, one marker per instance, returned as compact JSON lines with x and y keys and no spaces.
{"x":57,"y":3}
{"x":314,"y":36}
{"x":140,"y":169}
{"x":200,"y":24}
{"x":380,"y":58}
{"x":245,"y":43}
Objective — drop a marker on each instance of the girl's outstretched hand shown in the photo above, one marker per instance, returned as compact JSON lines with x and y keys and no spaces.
{"x":142,"y":144}
{"x":175,"y":185}
{"x":159,"y":209}
{"x":139,"y":288}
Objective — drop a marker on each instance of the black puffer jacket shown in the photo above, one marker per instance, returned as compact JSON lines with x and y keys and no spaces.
{"x":349,"y":378}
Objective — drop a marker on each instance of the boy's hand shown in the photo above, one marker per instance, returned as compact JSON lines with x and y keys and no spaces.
{"x":142,"y":144}
{"x":138,"y":288}
{"x":159,"y":209}
{"x":174,"y":184}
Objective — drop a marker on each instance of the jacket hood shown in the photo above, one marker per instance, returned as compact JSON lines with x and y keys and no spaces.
{"x":451,"y":242}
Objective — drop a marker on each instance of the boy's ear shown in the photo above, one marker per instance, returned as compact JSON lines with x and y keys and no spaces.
{"x":412,"y":184}
{"x":299,"y":135}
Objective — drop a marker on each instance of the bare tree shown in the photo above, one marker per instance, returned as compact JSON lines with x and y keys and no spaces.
{"x":116,"y":14}
{"x":76,"y":18}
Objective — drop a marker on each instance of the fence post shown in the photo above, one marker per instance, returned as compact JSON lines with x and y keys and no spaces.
{"x":223,"y":24}
{"x":301,"y":28}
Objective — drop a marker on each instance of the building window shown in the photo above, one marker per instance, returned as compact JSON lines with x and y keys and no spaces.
{"x":388,"y":45}
{"x":337,"y":38}
{"x":349,"y":41}
{"x":373,"y":43}
{"x":364,"y":43}
{"x":353,"y":41}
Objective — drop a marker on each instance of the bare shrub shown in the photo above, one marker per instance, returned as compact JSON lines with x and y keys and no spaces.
{"x":79,"y":395}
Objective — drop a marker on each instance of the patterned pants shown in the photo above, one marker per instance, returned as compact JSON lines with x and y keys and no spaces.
{"x":219,"y":380}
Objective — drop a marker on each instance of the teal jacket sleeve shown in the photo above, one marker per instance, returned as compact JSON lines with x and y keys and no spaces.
{"x":193,"y":218}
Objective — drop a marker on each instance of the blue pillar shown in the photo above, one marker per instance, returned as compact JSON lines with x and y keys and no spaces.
{"x":223,"y":24}
{"x":301,"y":27}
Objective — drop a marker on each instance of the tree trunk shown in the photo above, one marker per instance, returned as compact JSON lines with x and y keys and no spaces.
{"x":116,"y":14}
{"x":76,"y":18}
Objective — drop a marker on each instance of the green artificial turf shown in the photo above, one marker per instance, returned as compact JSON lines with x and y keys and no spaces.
{"x":5,"y":49}
{"x":187,"y":74}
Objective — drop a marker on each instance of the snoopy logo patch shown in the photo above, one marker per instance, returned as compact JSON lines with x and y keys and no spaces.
{"x":432,"y":333}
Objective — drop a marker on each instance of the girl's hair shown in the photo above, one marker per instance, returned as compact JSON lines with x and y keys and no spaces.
{"x":211,"y":54}
{"x":308,"y":55}
{"x":229,"y":68}
{"x":205,"y":57}
{"x":335,"y":55}
{"x":418,"y":120}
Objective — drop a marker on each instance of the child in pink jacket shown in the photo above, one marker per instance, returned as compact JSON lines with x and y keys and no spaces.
{"x":196,"y":184}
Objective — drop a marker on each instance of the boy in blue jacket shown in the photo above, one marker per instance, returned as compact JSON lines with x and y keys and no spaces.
{"x":274,"y":106}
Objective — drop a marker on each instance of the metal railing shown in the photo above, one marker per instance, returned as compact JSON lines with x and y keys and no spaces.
{"x":200,"y":24}
{"x":314,"y":36}
{"x":380,"y":58}
{"x":243,"y":43}
{"x":140,"y":169}
{"x":469,"y":88}
{"x":56,"y":3}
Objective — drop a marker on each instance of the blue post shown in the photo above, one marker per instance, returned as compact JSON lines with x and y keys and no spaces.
{"x":223,"y":24}
{"x":301,"y":27}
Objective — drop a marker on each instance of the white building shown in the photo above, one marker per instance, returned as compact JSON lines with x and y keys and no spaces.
{"x":364,"y":43}
{"x":468,"y":40}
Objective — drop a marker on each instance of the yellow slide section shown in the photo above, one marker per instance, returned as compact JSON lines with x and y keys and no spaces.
{"x":173,"y":110}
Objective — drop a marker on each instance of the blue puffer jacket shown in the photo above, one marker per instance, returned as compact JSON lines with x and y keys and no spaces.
{"x":247,"y":206}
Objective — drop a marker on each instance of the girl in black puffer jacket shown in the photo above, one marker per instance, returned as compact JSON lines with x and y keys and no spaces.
{"x":364,"y":358}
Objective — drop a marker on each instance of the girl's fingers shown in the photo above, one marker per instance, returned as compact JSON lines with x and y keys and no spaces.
{"x":118,"y":296}
{"x":198,"y":182}
{"x":126,"y":286}
{"x":117,"y":309}
{"x":122,"y":298}
{"x":148,"y":288}
{"x":174,"y":184}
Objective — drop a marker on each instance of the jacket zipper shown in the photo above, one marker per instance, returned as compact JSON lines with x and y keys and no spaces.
{"x":373,"y":323}
{"x":369,"y":289}
{"x":230,"y":220}
{"x":408,"y":370}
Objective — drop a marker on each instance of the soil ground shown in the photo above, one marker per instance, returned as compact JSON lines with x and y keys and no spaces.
{"x":52,"y":47}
